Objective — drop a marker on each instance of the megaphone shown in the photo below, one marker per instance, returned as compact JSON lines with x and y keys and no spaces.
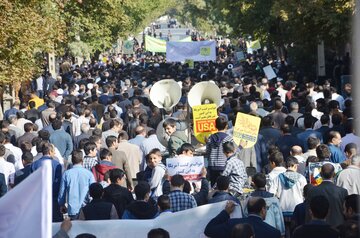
{"x":165,"y":94}
{"x":163,"y":137}
{"x":204,"y":93}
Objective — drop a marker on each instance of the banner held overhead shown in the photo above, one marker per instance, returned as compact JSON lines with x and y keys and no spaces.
{"x":195,"y":50}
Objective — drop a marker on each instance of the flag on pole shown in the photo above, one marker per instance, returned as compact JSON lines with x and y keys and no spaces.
{"x":26,"y":210}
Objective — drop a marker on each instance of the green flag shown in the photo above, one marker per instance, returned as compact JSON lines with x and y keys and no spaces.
{"x":155,"y":45}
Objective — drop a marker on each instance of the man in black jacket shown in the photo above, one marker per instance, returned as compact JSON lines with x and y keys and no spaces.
{"x":317,"y":227}
{"x":116,"y":194}
{"x":334,"y":194}
{"x":98,"y":209}
{"x":221,"y":226}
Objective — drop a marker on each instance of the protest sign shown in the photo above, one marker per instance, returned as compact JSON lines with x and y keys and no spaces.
{"x":315,"y":170}
{"x":189,"y":167}
{"x":128,"y":47}
{"x":253,"y":46}
{"x":195,"y":50}
{"x":246,"y":130}
{"x":269,"y":72}
{"x":240,"y":56}
{"x":204,"y":121}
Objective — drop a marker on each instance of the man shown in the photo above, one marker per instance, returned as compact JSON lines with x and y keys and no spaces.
{"x":32,"y":114}
{"x":179,"y":200}
{"x":312,"y":143}
{"x":214,"y":149}
{"x":80,"y":120}
{"x":48,"y":153}
{"x":177,"y":138}
{"x":286,"y":141}
{"x":294,"y":111}
{"x":14,"y":149}
{"x":13,"y":110}
{"x":278,"y":117}
{"x":352,"y":207}
{"x":84,"y":134}
{"x":6,"y":168}
{"x":140,"y":132}
{"x":234,"y":168}
{"x":116,"y":194}
{"x":28,"y":135}
{"x":303,"y":136}
{"x":3,"y":187}
{"x":103,"y":166}
{"x":317,"y":227}
{"x":288,"y":186}
{"x":222,"y":191}
{"x":90,"y":158}
{"x":132,"y":152}
{"x":333,"y":193}
{"x":142,"y":208}
{"x":98,"y":209}
{"x":270,"y":133}
{"x":74,"y":186}
{"x":61,"y":140}
{"x":221,"y":226}
{"x":324,"y":129}
{"x":350,"y":137}
{"x":120,"y":160}
{"x":349,"y":177}
{"x":27,"y":159}
{"x":336,"y":156}
{"x":116,"y":126}
{"x":296,"y":151}
{"x":13,"y":121}
{"x":47,"y":112}
{"x":276,"y":160}
{"x":151,"y":142}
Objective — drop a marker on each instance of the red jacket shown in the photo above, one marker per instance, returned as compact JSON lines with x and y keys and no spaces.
{"x":100,"y":169}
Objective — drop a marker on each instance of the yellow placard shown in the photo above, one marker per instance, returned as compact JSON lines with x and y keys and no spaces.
{"x":246,"y":130}
{"x":204,"y":121}
{"x":205,"y":51}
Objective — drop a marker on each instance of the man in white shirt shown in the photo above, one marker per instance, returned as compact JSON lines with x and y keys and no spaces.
{"x":277,"y":164}
{"x":15,"y":150}
{"x":6,"y":168}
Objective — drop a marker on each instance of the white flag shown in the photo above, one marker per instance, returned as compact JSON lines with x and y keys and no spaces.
{"x":26,"y":210}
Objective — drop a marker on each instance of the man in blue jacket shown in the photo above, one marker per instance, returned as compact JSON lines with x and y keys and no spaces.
{"x":222,"y":225}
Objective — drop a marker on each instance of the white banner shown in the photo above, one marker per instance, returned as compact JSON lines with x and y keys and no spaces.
{"x":26,"y":210}
{"x":195,"y":50}
{"x":188,"y":223}
{"x":189,"y":167}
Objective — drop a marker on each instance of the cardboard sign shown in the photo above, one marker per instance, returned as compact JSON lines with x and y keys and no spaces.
{"x":128,"y":47}
{"x":269,"y":72}
{"x":315,"y":169}
{"x":253,"y":46}
{"x":240,"y":56}
{"x":189,"y":167}
{"x":204,"y":121}
{"x":246,"y":130}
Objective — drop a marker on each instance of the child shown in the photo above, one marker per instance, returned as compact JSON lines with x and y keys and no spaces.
{"x":177,"y":138}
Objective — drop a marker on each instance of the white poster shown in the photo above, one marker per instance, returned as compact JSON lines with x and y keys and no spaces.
{"x":189,"y":167}
{"x":26,"y":210}
{"x":195,"y":50}
{"x":194,"y":220}
{"x":269,"y":72}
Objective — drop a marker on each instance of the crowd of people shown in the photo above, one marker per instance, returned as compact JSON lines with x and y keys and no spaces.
{"x":98,"y":126}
